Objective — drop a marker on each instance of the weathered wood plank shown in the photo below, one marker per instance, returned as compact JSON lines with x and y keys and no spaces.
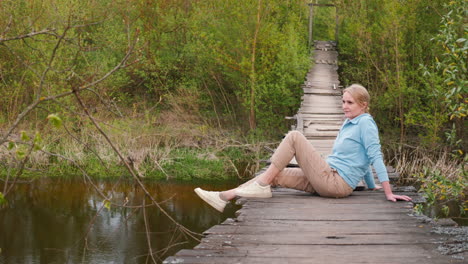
{"x":321,"y":91}
{"x":316,"y":254}
{"x":319,"y":227}
{"x":312,"y":238}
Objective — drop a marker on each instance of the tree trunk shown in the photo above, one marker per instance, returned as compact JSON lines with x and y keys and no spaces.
{"x":253,"y":81}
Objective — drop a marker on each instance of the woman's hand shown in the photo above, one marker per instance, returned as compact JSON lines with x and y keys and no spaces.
{"x":393,"y":197}
{"x":377,"y":187}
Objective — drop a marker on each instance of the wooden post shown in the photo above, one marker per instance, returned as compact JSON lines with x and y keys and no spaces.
{"x":311,"y":19}
{"x":336,"y":25}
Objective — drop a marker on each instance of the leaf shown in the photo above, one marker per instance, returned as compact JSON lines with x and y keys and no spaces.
{"x":446,"y":210}
{"x":37,"y":141}
{"x":461,"y":40}
{"x":55,"y":120}
{"x":2,"y":199}
{"x":24,"y":136}
{"x":107,"y":204}
{"x":20,"y":153}
{"x":11,"y":145}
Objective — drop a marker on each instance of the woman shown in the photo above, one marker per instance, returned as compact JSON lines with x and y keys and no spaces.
{"x":356,"y":147}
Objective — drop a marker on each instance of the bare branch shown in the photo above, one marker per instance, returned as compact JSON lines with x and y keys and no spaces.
{"x":7,"y":188}
{"x":111,"y":103}
{"x":148,"y":238}
{"x":91,"y":224}
{"x":7,"y":28}
{"x":31,"y":34}
{"x":49,"y":65}
{"x":48,"y":31}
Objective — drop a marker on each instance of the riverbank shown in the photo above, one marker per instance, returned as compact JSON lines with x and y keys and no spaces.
{"x":154,"y":148}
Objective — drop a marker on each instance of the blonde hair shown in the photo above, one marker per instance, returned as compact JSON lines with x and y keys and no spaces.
{"x":360,"y":94}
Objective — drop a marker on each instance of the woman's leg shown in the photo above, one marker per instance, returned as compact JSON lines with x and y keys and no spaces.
{"x":324,"y":180}
{"x":293,"y":178}
{"x":293,"y":144}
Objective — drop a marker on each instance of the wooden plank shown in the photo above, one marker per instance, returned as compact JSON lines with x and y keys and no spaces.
{"x":319,"y":106}
{"x":324,"y":228}
{"x":319,"y":100}
{"x":337,"y":112}
{"x":312,"y":238}
{"x":323,"y":117}
{"x":298,"y":215}
{"x":317,"y":254}
{"x":321,"y":91}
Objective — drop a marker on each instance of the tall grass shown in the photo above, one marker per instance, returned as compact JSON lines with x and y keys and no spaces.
{"x":442,"y":179}
{"x":162,"y":147}
{"x":409,"y":161}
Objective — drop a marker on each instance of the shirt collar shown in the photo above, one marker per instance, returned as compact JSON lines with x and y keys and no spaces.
{"x":355,"y":120}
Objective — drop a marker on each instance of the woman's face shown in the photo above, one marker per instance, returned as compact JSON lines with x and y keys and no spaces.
{"x":351,"y":108}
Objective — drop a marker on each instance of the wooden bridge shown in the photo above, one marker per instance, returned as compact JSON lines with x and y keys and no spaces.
{"x":297,"y":227}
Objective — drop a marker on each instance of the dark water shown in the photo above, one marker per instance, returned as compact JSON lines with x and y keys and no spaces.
{"x":47,"y":221}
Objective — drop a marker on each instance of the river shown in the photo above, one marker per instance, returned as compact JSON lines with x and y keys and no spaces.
{"x":56,"y":220}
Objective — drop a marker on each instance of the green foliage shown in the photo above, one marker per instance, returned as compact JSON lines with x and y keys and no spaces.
{"x":217,"y":50}
{"x":37,"y":141}
{"x":107,"y":204}
{"x":60,"y":45}
{"x":11,"y":145}
{"x":442,"y":191}
{"x":220,"y":49}
{"x":450,"y":71}
{"x":324,"y":23}
{"x":189,"y":164}
{"x":55,"y":120}
{"x":3,"y":200}
{"x":413,"y":63}
{"x":24,"y":136}
{"x":157,"y":153}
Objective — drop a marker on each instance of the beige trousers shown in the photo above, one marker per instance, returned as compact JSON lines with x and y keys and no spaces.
{"x":314,"y":174}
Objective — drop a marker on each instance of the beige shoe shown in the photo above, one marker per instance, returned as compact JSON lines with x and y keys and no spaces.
{"x":212,"y":198}
{"x":254,"y":190}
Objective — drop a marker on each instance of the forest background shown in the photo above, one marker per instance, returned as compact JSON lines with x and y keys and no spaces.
{"x":186,"y":89}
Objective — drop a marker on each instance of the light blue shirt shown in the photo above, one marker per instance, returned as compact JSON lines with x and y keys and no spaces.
{"x":356,"y":147}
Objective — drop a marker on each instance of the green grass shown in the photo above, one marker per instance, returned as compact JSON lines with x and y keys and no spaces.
{"x":183,"y":163}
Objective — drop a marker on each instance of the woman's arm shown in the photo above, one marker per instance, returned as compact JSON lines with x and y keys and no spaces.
{"x":369,"y":178}
{"x":393,"y":197}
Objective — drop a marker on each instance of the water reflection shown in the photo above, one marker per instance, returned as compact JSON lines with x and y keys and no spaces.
{"x":48,"y":221}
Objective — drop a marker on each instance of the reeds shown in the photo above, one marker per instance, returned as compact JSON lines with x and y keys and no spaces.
{"x":166,"y":149}
{"x":409,"y":161}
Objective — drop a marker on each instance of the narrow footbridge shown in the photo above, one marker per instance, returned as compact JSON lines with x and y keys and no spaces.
{"x":297,"y":227}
